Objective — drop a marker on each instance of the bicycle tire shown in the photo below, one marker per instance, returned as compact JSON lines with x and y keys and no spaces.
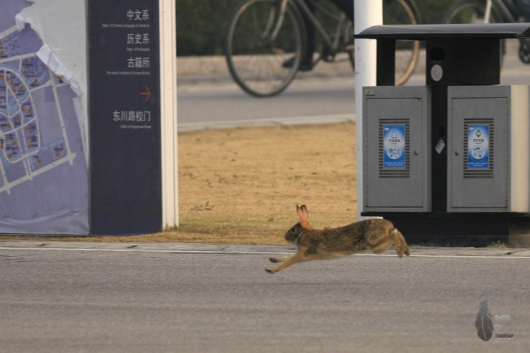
{"x":255,"y":59}
{"x":401,"y":12}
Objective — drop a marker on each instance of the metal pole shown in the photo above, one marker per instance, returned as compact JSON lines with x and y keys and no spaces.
{"x":367,"y":13}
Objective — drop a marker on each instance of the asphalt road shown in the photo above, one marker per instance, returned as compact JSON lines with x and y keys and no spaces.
{"x":227,"y":106}
{"x":177,"y":298}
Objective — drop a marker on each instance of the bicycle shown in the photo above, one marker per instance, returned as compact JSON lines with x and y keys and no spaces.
{"x":263,"y":34}
{"x":488,"y":11}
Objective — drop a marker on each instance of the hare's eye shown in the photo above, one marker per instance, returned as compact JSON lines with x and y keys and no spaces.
{"x":293,"y":230}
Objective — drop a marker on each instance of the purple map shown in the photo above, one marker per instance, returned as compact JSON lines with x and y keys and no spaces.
{"x":43,"y":171}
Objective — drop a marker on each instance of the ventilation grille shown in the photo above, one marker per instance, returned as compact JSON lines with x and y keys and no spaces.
{"x":403,"y":172}
{"x":479,"y":173}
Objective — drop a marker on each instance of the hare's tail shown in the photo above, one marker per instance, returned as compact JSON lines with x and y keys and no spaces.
{"x":401,"y":245}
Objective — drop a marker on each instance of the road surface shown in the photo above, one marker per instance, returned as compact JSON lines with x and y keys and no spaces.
{"x":205,"y":298}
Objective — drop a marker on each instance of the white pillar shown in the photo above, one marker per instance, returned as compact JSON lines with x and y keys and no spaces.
{"x":168,"y":113}
{"x":367,"y":13}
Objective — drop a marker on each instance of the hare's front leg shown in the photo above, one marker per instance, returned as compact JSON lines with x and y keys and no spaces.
{"x":286,"y":262}
{"x":278,"y":259}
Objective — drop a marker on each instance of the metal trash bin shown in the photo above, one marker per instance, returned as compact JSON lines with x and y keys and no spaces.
{"x":448,"y":162}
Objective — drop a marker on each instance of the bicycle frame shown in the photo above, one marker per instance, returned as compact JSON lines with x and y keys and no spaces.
{"x":268,"y":41}
{"x":342,"y":22}
{"x":506,"y":9}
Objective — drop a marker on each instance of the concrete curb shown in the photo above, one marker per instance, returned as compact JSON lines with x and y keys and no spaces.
{"x":212,"y":70}
{"x":215,"y":67}
{"x":311,"y":120}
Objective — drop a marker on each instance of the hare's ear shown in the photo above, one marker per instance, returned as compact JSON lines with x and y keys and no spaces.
{"x":303,"y":215}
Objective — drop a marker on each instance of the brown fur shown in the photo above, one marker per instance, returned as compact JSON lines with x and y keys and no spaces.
{"x":376,"y":235}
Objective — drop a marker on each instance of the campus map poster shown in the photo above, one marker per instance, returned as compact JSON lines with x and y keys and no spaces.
{"x":124,"y":91}
{"x":43,"y":161}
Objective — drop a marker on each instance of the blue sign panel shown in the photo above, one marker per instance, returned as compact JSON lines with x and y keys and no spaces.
{"x":124,"y":80}
{"x":478,"y":146}
{"x":394,"y":146}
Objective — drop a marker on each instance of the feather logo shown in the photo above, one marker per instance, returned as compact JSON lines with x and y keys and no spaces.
{"x":484,"y":321}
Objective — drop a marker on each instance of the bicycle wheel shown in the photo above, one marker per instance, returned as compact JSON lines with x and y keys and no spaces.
{"x":469,"y":11}
{"x":255,"y":55}
{"x":402,"y":12}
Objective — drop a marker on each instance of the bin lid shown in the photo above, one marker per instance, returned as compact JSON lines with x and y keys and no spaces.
{"x":432,"y":31}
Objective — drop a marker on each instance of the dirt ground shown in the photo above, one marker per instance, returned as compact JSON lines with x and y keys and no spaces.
{"x":241,"y":186}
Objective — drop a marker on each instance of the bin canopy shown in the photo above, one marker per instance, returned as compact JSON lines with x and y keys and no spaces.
{"x":456,"y":54}
{"x":435,"y":31}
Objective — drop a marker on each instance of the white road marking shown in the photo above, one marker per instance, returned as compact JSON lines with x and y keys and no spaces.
{"x":501,"y":256}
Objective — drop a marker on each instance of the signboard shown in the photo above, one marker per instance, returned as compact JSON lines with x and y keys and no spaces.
{"x":478,"y":146}
{"x":394,"y":146}
{"x":124,"y":110}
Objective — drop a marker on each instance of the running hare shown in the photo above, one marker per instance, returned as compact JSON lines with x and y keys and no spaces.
{"x":376,"y":235}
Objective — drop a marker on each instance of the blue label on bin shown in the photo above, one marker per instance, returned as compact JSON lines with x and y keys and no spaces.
{"x":394,"y":146}
{"x":478,"y":146}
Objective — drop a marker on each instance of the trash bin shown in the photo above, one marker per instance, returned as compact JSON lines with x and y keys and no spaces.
{"x":448,"y":162}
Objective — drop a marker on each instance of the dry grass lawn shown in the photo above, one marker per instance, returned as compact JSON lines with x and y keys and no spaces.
{"x":241,"y":186}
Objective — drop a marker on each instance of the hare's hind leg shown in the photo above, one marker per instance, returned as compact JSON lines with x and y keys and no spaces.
{"x":383,"y":243}
{"x":382,"y":246}
{"x":401,"y":245}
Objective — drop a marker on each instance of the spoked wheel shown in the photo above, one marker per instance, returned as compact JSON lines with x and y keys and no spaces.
{"x":400,"y":12}
{"x":263,"y":49}
{"x":524,"y":50}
